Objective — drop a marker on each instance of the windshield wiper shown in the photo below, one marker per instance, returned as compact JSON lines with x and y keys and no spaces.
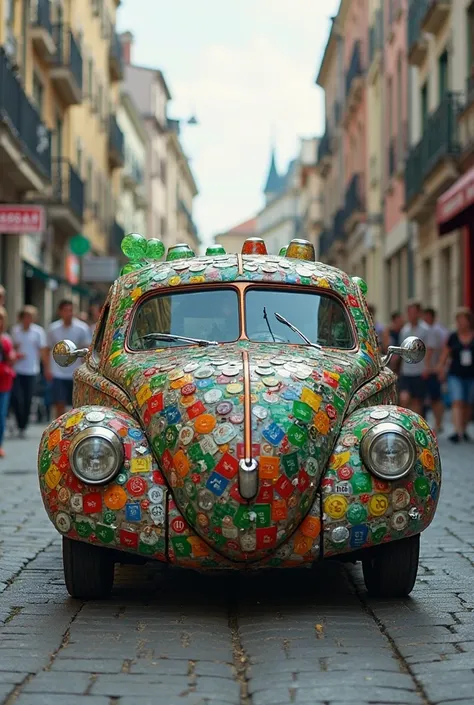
{"x":285,"y":322}
{"x":178,"y":338}
{"x":265,"y":316}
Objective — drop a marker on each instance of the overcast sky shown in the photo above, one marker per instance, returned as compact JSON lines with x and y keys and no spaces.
{"x":247,"y":69}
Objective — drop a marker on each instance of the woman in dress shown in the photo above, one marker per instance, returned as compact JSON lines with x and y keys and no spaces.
{"x":457,"y":359}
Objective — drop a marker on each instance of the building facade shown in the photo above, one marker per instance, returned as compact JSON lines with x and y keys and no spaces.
{"x":181,"y":191}
{"x":440,"y":56}
{"x":312,"y":224}
{"x":132,"y":209}
{"x":61,"y":65}
{"x":330,"y":162}
{"x":399,"y":243}
{"x":169,"y":182}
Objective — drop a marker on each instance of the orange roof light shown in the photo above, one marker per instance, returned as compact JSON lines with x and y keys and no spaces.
{"x":254,"y":246}
{"x":301,"y":249}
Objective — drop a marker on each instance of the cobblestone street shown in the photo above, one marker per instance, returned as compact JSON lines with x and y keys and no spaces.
{"x":169,"y":637}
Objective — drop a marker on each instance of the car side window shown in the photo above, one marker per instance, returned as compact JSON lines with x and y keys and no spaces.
{"x":99,"y":340}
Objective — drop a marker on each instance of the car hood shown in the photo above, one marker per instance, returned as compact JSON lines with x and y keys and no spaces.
{"x":205,"y":409}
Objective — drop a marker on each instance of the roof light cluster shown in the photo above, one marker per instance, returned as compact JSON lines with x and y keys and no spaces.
{"x":142,"y":251}
{"x":297,"y":249}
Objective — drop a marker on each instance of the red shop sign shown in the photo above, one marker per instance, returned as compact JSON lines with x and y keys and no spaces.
{"x":18,"y":219}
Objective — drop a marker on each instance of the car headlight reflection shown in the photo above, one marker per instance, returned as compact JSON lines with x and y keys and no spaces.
{"x":388,"y":451}
{"x":96,"y":455}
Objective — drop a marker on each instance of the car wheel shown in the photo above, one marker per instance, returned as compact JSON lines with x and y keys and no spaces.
{"x":88,"y":570}
{"x":391,"y":570}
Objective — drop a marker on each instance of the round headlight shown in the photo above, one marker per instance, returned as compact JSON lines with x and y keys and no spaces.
{"x":96,"y":455}
{"x":388,"y":451}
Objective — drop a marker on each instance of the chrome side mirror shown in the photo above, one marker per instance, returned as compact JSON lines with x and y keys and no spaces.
{"x":412,"y":350}
{"x":65,"y":353}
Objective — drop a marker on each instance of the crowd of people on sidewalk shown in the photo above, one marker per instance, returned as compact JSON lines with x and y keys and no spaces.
{"x":446,"y":375}
{"x":27,"y":368}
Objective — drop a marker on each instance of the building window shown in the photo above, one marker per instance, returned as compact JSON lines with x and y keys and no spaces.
{"x":443,"y":74}
{"x":79,"y":152}
{"x":90,"y":78}
{"x":163,"y":171}
{"x":89,"y":182}
{"x":470,"y":41}
{"x":38,"y":93}
{"x":424,"y":106}
{"x":390,"y":106}
{"x":399,"y":106}
{"x":57,"y":143}
{"x":163,"y":226}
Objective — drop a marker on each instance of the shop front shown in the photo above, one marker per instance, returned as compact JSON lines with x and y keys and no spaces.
{"x":455,"y":211}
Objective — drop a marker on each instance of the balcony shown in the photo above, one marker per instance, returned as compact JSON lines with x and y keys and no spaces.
{"x":417,"y":41}
{"x":115,"y":58}
{"x":41,"y":29}
{"x":391,"y":160}
{"x":25,"y":142}
{"x":326,"y":240}
{"x":190,"y":226}
{"x":354,"y":78}
{"x":436,"y":15}
{"x":67,"y":203}
{"x":354,"y":203}
{"x":116,"y":144}
{"x":66,"y":69}
{"x":432,"y":164}
{"x":339,"y":232}
{"x":325,"y":153}
{"x":117,"y":234}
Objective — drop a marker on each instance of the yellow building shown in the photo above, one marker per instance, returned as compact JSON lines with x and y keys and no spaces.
{"x":64,"y":60}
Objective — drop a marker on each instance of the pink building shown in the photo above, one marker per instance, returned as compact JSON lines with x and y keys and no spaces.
{"x":398,"y":256}
{"x":354,"y":24}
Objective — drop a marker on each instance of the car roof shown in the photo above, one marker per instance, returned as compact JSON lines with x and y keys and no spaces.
{"x":267,"y":269}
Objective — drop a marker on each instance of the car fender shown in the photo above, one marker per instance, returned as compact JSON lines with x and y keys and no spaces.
{"x":360,"y":510}
{"x":127,"y":514}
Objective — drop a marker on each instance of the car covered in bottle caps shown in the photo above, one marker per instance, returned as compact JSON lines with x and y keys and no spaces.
{"x":234,"y":412}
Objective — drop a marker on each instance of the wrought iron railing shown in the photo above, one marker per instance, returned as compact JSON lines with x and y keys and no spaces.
{"x":68,"y":187}
{"x":68,"y":53}
{"x":23,"y":118}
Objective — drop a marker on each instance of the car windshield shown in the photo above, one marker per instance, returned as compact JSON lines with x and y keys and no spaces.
{"x":320,"y":318}
{"x":205,"y":315}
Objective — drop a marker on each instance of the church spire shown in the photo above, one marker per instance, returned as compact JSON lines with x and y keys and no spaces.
{"x":273,"y":180}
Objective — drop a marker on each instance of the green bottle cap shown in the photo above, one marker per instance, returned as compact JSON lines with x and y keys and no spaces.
{"x":134,"y":246}
{"x":154,"y":248}
{"x":215,"y":250}
{"x":180,"y":251}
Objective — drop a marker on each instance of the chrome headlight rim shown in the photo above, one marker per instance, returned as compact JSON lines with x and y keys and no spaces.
{"x":107,"y":435}
{"x":373,"y":434}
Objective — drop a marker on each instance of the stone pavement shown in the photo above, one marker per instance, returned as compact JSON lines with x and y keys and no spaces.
{"x":170,"y":637}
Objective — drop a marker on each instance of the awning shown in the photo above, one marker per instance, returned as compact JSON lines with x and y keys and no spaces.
{"x":33,"y":272}
{"x":454,"y":207}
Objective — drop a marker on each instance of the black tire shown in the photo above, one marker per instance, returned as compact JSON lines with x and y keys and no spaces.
{"x":390,"y":571}
{"x":88,"y":570}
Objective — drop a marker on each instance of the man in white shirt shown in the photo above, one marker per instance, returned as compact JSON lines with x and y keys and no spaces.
{"x":66,"y":328}
{"x":31,"y":347}
{"x":413,"y":377}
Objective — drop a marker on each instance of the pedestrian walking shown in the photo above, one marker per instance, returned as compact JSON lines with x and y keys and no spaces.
{"x":457,"y":360}
{"x":7,"y":374}
{"x":29,"y":340}
{"x":412,"y":383}
{"x":434,"y":393}
{"x":68,"y":327}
